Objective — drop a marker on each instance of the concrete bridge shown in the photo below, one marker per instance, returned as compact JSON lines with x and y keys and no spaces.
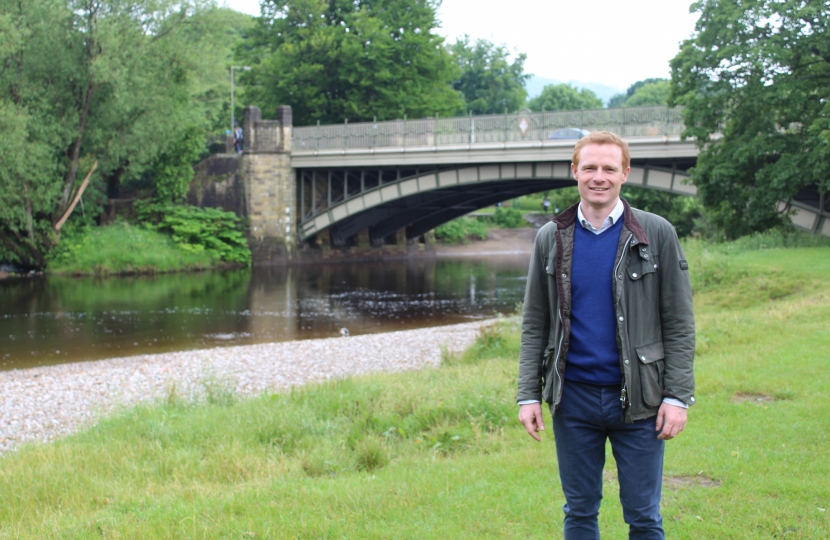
{"x":377,"y":183}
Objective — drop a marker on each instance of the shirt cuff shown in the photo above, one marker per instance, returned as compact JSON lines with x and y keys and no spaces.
{"x":675,"y":402}
{"x":527,"y":401}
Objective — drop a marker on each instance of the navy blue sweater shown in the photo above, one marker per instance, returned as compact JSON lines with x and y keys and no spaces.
{"x":593,"y":356}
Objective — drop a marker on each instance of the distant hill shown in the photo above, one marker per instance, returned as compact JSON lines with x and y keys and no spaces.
{"x":604,"y":92}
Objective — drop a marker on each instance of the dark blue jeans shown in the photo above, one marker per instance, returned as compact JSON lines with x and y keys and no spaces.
{"x":588,"y":415}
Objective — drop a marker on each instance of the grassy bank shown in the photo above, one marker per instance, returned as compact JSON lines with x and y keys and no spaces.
{"x":439,"y":454}
{"x":124,"y":249}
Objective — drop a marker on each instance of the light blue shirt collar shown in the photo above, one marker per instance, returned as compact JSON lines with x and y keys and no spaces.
{"x":612,"y":218}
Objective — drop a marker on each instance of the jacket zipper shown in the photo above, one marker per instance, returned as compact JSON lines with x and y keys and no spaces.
{"x":558,"y":379}
{"x":624,"y":392}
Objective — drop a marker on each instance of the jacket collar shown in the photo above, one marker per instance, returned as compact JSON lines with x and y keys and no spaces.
{"x":568,"y":218}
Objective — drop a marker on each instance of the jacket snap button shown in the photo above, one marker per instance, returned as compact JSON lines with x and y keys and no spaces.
{"x":634,"y":274}
{"x":626,"y":362}
{"x":621,"y":319}
{"x":645,"y":256}
{"x":619,"y":277}
{"x":564,"y":275}
{"x":655,"y":266}
{"x":643,"y":358}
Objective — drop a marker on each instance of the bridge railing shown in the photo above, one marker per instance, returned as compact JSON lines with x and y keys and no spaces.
{"x":521,"y":126}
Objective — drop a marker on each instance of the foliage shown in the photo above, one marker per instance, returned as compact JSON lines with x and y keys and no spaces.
{"x":680,"y":210}
{"x":335,"y":61}
{"x":620,"y":99}
{"x":93,"y":81}
{"x":508,"y":218}
{"x":564,"y":97}
{"x":122,"y":249}
{"x":563,"y":198}
{"x":199,"y":230}
{"x":438,"y":453}
{"x":461,"y":230}
{"x":656,"y":93}
{"x":173,"y":171}
{"x":756,"y":74}
{"x":488,"y":81}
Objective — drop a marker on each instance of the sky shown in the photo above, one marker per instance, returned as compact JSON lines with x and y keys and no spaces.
{"x":610,"y":42}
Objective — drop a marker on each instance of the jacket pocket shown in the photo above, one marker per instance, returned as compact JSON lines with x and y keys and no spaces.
{"x":637,"y":270}
{"x":652,"y":367}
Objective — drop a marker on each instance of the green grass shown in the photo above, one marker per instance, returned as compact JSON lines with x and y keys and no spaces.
{"x":123,"y":249}
{"x":438,"y":453}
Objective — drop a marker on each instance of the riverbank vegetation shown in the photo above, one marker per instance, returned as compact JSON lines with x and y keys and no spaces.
{"x":162,"y":238}
{"x":475,"y":227}
{"x":438,"y":453}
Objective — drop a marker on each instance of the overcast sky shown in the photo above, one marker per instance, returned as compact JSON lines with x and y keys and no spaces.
{"x":612,"y":42}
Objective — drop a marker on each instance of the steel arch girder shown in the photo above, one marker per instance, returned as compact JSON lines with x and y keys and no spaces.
{"x":424,"y":211}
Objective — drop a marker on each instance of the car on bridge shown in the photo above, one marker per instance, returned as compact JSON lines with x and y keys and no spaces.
{"x":568,"y":133}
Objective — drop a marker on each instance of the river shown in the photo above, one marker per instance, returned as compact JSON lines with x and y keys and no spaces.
{"x":51,"y":320}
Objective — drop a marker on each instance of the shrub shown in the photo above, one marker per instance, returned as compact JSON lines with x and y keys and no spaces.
{"x":198,"y":230}
{"x":460,"y":230}
{"x":508,"y":218}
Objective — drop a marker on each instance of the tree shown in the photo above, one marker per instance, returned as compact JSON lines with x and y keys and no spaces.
{"x":87,"y":86}
{"x":620,"y":99}
{"x":754,"y":81}
{"x":682,"y":211}
{"x":656,"y":93}
{"x":334,"y":60}
{"x":564,"y":97}
{"x":489,"y":82}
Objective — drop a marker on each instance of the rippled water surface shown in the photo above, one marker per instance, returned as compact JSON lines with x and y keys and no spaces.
{"x":51,"y":320}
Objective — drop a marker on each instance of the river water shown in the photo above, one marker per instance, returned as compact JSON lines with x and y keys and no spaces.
{"x":51,"y":320}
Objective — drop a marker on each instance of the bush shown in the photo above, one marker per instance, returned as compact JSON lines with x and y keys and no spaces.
{"x":508,"y":218}
{"x":460,"y":230}
{"x":199,"y":230}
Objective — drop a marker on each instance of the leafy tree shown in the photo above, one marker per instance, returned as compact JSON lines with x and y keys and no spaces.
{"x":656,"y":93}
{"x":756,"y":73}
{"x":489,"y":82}
{"x":91,"y":90}
{"x":334,"y":59}
{"x":564,"y":97}
{"x":620,"y":99}
{"x":173,"y":171}
{"x":682,"y":211}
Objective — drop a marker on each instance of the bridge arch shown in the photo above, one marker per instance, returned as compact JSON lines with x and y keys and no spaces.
{"x":344,"y":202}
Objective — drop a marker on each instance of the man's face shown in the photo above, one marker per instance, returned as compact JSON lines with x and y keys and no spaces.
{"x":600,"y":175}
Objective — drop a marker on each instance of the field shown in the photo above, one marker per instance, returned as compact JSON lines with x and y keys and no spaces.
{"x":439,"y":453}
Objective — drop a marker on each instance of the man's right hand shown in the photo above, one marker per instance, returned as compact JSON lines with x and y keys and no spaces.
{"x":530,"y":416}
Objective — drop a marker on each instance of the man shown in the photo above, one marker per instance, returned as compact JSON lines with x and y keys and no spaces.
{"x":608,"y":342}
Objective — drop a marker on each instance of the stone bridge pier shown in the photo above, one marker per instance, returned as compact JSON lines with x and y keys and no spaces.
{"x":269,"y":185}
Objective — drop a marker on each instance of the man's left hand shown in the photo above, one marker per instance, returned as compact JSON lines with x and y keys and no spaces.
{"x":671,"y":420}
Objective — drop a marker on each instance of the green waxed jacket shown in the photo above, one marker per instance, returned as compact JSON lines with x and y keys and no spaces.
{"x":653,"y":304}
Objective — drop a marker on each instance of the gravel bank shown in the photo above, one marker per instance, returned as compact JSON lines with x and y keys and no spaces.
{"x":40,"y":404}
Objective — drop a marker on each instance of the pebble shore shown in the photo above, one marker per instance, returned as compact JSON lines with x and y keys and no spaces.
{"x":40,"y":404}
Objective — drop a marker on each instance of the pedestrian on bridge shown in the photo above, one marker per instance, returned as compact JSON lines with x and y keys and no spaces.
{"x":238,"y":139}
{"x":608,"y":341}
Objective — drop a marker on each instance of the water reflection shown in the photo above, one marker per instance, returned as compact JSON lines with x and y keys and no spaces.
{"x":57,"y":319}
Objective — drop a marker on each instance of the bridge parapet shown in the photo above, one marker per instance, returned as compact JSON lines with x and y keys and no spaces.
{"x":513,"y":127}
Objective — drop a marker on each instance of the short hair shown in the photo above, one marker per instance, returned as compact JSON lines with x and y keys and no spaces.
{"x":602,"y":137}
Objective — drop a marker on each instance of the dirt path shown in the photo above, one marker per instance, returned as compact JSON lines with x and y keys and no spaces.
{"x":499,"y":241}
